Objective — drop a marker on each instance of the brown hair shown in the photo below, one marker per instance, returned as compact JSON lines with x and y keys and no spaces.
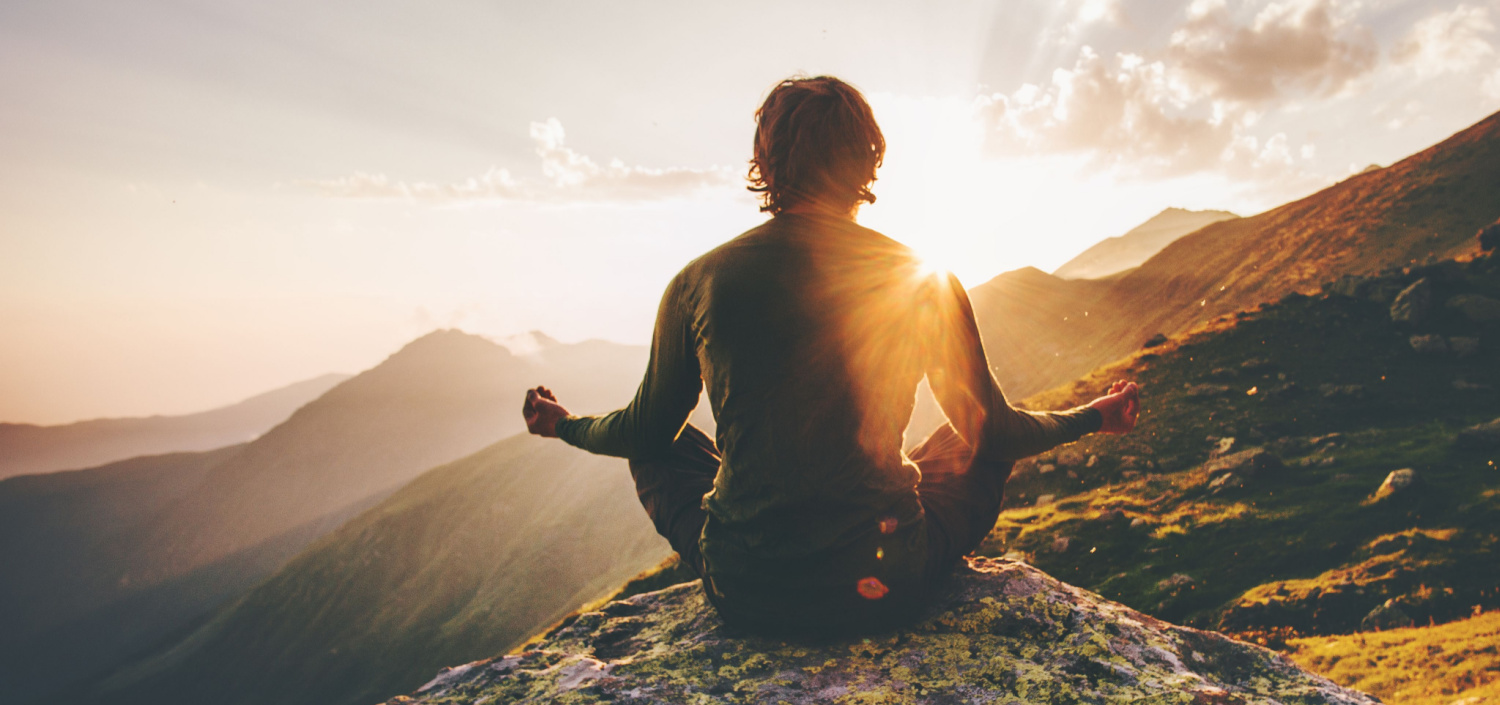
{"x":816,"y":141}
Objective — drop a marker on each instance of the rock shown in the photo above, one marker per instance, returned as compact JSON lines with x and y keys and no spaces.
{"x":1093,"y":460}
{"x":1476,"y":307}
{"x":1045,"y":500}
{"x":1205,"y":391}
{"x":1045,"y":468}
{"x":1257,"y":364}
{"x":1111,"y":516}
{"x":1396,"y":481}
{"x":1463,"y":347}
{"x":1227,"y":481}
{"x":1137,"y":523}
{"x":1154,"y":341}
{"x":1289,"y":390}
{"x":1060,"y":544}
{"x":1246,"y":463}
{"x":1000,"y":632}
{"x":1223,"y":447}
{"x":1485,"y":436}
{"x":1176,"y":582}
{"x":1069,"y":458}
{"x":1342,"y":391}
{"x":1413,"y":303}
{"x":1387,"y":615}
{"x":1428,"y":344}
{"x":1489,"y":236}
{"x":1347,"y":285}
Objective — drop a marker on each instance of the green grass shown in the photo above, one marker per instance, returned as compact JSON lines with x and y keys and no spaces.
{"x":1450,"y":663}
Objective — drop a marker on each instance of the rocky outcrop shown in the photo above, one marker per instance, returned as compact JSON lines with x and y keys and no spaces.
{"x":1003,"y":632}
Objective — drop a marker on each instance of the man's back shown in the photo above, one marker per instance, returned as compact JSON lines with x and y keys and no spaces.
{"x":807,"y":333}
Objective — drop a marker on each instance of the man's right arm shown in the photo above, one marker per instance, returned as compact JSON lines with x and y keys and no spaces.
{"x":959,"y":374}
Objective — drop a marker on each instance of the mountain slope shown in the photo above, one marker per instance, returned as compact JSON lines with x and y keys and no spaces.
{"x":466,"y":560}
{"x":1117,"y":254}
{"x":1337,"y":397}
{"x":26,"y":448}
{"x":1425,"y":207}
{"x":212,"y":535}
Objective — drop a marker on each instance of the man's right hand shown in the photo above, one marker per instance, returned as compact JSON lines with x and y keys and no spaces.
{"x":542,"y":412}
{"x":1120,"y":407}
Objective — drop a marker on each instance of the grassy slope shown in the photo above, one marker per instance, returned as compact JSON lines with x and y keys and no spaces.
{"x":462,"y":563}
{"x":1450,"y":663}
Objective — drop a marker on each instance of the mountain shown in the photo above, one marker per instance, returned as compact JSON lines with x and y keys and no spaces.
{"x":1045,"y":330}
{"x":27,"y":448}
{"x":1117,"y":254}
{"x":1312,"y":467}
{"x":469,"y":558}
{"x":89,"y":589}
{"x":1000,"y":631}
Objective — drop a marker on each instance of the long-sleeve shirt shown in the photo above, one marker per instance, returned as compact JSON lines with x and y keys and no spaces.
{"x":811,"y":334}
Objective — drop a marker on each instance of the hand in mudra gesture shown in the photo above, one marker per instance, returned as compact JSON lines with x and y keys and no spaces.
{"x":1121,"y":406}
{"x":542,"y":412}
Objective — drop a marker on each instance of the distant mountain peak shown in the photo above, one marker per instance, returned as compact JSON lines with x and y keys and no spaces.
{"x":1117,"y":254}
{"x":529,"y":343}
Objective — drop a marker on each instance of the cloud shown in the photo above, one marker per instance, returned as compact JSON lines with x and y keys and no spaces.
{"x":1447,"y":42}
{"x":567,"y":176}
{"x":1311,"y":46}
{"x":1127,"y":111}
{"x":1138,"y":118}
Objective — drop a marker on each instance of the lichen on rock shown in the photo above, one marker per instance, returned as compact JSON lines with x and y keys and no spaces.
{"x":1001,"y":632}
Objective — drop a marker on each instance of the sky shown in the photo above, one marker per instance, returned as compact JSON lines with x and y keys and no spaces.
{"x":200,"y":201}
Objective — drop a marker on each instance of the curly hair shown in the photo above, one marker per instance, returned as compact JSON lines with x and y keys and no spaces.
{"x":816,"y":141}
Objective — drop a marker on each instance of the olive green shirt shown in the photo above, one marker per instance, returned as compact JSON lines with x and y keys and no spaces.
{"x":812,"y":334}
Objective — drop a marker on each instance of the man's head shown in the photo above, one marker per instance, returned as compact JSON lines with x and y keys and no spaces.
{"x":816,"y":145}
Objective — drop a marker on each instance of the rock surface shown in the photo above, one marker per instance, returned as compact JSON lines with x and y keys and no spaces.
{"x":1476,"y":307}
{"x":1412,"y":303}
{"x":1003,"y":632}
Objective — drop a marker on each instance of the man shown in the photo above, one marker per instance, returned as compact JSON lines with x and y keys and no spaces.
{"x":811,"y":334}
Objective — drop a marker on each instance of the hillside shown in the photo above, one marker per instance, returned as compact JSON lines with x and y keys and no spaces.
{"x":467,"y":559}
{"x":1117,"y":254}
{"x":1248,"y":499}
{"x":1424,"y":208}
{"x":214,"y":532}
{"x":27,"y":448}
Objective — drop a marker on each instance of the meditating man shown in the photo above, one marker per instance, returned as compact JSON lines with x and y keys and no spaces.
{"x":811,"y":334}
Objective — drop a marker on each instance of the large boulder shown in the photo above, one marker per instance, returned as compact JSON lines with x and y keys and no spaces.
{"x":1002,"y":632}
{"x":1246,"y":463}
{"x":1413,"y":303}
{"x":1489,"y":236}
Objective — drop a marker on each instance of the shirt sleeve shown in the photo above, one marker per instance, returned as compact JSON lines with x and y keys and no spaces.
{"x":959,"y":374}
{"x":649,"y":425}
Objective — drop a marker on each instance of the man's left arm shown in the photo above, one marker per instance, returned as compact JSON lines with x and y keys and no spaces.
{"x":651,"y":422}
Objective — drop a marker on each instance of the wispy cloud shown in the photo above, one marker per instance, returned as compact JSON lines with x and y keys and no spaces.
{"x":1288,"y":48}
{"x":1448,"y":42}
{"x":567,"y":176}
{"x":1194,"y":105}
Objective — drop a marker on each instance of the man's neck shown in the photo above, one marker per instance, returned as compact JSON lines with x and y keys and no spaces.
{"x":823,"y":209}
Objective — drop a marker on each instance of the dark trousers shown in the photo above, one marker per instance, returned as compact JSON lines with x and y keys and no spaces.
{"x":960,"y":498}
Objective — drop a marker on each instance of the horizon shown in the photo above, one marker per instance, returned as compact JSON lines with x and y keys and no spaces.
{"x":205,"y":203}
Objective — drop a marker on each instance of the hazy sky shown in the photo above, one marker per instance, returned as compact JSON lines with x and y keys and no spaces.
{"x":203,"y":200}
